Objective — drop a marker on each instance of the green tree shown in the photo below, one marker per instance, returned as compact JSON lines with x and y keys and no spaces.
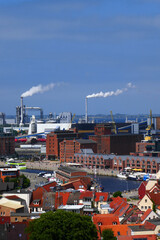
{"x":61,"y":225}
{"x":108,"y":234}
{"x":6,"y":179}
{"x":26,"y":181}
{"x":154,"y":206}
{"x":117,"y":194}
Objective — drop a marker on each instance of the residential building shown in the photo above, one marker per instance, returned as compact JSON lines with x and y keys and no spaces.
{"x":116,"y":162}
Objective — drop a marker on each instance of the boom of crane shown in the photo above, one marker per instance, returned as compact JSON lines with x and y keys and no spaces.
{"x":73,"y":117}
{"x":148,"y":135}
{"x":113,"y":123}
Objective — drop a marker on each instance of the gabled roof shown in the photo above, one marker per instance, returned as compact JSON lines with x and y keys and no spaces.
{"x":86,"y":194}
{"x":155,"y":197}
{"x":121,"y":210}
{"x":48,"y":186}
{"x":85,"y":181}
{"x":145,"y":215}
{"x":116,"y":202}
{"x":101,"y":196}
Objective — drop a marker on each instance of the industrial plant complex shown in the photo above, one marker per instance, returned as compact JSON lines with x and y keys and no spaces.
{"x":128,"y":150}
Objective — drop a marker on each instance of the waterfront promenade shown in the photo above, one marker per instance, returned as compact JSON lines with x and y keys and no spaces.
{"x":53,"y":166}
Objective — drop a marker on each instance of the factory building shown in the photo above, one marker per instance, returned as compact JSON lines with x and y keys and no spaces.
{"x":52,"y":142}
{"x":69,"y":147}
{"x":121,"y":144}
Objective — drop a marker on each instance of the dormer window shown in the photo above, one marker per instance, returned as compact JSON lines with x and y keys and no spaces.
{"x":114,"y":223}
{"x":101,"y":198}
{"x":36,"y":201}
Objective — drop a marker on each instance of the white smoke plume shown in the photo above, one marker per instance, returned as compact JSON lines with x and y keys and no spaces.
{"x":37,"y":89}
{"x":111,"y":93}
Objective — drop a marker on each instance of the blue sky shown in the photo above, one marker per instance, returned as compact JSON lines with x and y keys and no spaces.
{"x":83,"y":47}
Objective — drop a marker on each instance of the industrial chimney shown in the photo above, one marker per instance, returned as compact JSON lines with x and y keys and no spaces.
{"x":21,"y":123}
{"x":86,"y":106}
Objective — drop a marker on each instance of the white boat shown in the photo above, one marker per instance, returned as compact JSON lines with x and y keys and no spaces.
{"x":47,"y":175}
{"x":40,"y":174}
{"x":133,"y":176}
{"x":122,"y":175}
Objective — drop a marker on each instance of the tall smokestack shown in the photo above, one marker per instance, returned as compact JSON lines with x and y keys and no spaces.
{"x":21,"y":123}
{"x":86,"y":116}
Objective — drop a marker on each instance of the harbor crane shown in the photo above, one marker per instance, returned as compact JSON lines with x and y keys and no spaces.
{"x":113,"y":123}
{"x":148,"y":135}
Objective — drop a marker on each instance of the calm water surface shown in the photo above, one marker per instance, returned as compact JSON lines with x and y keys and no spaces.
{"x":110,"y":184}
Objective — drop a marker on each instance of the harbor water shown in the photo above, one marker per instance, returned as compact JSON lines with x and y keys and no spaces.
{"x":110,"y":184}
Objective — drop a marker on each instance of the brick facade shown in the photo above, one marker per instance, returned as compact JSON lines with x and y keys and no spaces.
{"x":69,"y":147}
{"x":53,"y":140}
{"x":117,"y":144}
{"x":115,"y":162}
{"x":7,"y":145}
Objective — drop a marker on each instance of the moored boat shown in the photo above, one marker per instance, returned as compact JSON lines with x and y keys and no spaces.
{"x":122,"y":175}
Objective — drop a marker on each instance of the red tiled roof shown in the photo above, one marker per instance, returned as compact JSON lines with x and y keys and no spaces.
{"x":123,"y":207}
{"x":105,"y":219}
{"x":155,"y":197}
{"x":116,"y":202}
{"x":49,"y":185}
{"x":38,"y":193}
{"x":148,"y":237}
{"x":12,"y":197}
{"x":85,"y":181}
{"x":146,"y":214}
{"x":101,"y":194}
{"x":86,"y":194}
{"x":65,"y":196}
{"x":122,"y":230}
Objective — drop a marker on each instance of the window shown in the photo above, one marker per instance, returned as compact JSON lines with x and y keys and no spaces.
{"x":119,"y":233}
{"x":145,"y":207}
{"x":145,"y":200}
{"x":114,"y":223}
{"x":141,"y":207}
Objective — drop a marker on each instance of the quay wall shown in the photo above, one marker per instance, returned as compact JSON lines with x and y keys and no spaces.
{"x":53,"y":166}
